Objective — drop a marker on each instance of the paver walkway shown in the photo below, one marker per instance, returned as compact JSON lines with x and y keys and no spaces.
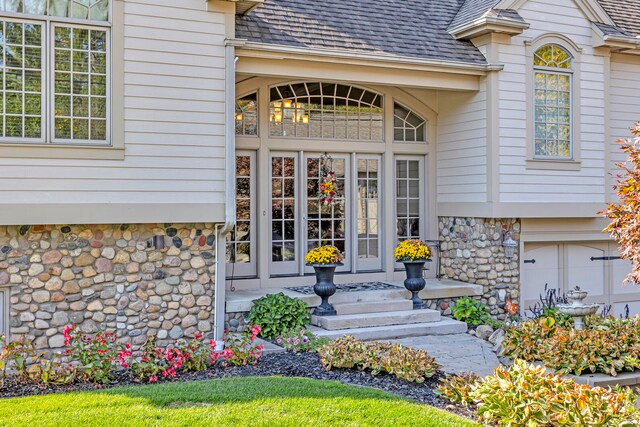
{"x":457,"y":353}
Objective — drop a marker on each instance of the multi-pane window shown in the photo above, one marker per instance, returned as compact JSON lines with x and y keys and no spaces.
{"x":247,"y":115}
{"x":239,"y":241}
{"x":22,"y":94}
{"x":408,"y":199}
{"x":283,"y":210}
{"x":325,"y":111}
{"x":368,"y":209}
{"x":65,"y":97}
{"x":80,"y":84}
{"x":553,"y":109}
{"x":407,"y":125}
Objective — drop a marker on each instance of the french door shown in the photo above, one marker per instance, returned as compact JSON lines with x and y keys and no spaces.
{"x":300,"y":222}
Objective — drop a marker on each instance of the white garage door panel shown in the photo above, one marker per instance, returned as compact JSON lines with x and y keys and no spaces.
{"x":621,"y":268}
{"x":618,"y":309}
{"x":586,"y":273}
{"x":545,"y":271}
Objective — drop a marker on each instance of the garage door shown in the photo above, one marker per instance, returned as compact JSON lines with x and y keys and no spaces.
{"x":594,"y":266}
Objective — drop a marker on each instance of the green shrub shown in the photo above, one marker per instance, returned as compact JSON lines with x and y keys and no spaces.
{"x":525,"y":395}
{"x":278,"y":313}
{"x":606,"y":345}
{"x":300,"y":341}
{"x":471,"y":311}
{"x":413,"y":365}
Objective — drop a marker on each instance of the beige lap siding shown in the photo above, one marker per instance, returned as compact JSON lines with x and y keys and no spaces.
{"x":106,"y":277}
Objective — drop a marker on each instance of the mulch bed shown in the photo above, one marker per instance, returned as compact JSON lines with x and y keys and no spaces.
{"x":279,"y":364}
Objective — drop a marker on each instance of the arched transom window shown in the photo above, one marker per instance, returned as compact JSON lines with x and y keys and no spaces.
{"x":407,"y":125}
{"x":325,"y":111}
{"x":553,"y":68}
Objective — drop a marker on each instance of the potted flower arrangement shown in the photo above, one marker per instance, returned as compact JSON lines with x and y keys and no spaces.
{"x":324,"y":260}
{"x":413,"y":253}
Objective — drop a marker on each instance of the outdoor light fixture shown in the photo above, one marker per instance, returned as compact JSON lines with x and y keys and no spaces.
{"x":509,"y":245}
{"x":158,"y":242}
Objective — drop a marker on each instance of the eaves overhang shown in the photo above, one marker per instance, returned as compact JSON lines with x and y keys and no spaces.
{"x":486,"y":25}
{"x":616,"y":42}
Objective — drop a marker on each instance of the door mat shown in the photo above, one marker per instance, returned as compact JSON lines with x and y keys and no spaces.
{"x":350,"y":287}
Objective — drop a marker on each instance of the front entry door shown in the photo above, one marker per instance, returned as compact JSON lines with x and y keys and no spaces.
{"x":327,"y":224}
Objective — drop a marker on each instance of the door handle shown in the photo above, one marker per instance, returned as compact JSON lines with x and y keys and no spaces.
{"x":529,"y":261}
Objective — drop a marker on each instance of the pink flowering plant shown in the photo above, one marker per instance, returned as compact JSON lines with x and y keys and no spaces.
{"x":240,"y":349}
{"x":301,"y":341}
{"x":96,"y":356}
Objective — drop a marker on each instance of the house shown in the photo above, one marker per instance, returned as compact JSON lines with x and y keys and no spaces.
{"x":155,"y":154}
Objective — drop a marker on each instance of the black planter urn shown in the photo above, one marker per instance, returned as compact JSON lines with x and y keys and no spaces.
{"x":414,"y":281}
{"x":324,"y":288}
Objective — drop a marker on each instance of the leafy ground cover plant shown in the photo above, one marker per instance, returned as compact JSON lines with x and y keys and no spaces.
{"x":525,"y":395}
{"x":278,"y":313}
{"x":301,"y":341}
{"x":606,"y":345}
{"x":471,"y":311}
{"x":413,"y":365}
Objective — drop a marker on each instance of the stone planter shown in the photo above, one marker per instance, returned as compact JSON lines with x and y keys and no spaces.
{"x":324,"y":288}
{"x":414,"y":281}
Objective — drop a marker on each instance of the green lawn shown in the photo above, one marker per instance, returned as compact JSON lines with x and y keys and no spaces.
{"x":228,"y":402}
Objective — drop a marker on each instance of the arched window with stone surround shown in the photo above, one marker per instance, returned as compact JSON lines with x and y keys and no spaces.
{"x":553,"y":76}
{"x":317,"y":110}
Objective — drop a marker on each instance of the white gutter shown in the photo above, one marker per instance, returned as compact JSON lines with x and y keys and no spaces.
{"x":230,"y":196}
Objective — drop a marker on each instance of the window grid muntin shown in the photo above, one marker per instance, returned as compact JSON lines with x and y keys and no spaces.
{"x":408,"y":220}
{"x":323,"y":114}
{"x":550,"y":148}
{"x":319,"y":215}
{"x":403,"y":129}
{"x":23,"y":92}
{"x":368,"y":231}
{"x":247,"y":115}
{"x":239,"y":239}
{"x":20,"y":11}
{"x":90,"y":75}
{"x":283,"y":209}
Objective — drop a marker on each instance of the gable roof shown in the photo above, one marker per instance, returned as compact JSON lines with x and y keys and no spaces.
{"x":400,"y":28}
{"x":625,"y":13}
{"x":472,"y":10}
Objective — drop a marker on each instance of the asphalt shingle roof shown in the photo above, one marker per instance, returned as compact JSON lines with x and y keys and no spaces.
{"x":401,"y":28}
{"x":625,"y":13}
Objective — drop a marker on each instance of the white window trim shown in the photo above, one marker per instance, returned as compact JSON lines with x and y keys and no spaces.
{"x":113,"y":149}
{"x":551,"y":163}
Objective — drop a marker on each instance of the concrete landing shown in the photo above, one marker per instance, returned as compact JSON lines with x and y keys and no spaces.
{"x":373,"y":319}
{"x":445,"y":326}
{"x":242,"y":300}
{"x":373,"y":306}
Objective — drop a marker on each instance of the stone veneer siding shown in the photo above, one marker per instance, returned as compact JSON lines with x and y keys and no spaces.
{"x":108,"y":277}
{"x":472,"y":251}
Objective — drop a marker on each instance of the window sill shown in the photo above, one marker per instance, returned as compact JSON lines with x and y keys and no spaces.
{"x":554,"y":165}
{"x":52,"y":151}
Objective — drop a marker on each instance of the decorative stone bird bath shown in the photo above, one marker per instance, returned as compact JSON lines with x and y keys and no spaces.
{"x":576,"y":308}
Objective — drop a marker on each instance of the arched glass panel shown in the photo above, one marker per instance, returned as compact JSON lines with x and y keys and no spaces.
{"x":552,"y":56}
{"x":552,"y":103}
{"x":407,"y":125}
{"x":93,"y":10}
{"x":247,"y":115}
{"x":325,"y":111}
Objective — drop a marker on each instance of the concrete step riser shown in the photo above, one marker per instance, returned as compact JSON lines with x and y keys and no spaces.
{"x":443,"y":327}
{"x":368,"y":320}
{"x":373,"y":306}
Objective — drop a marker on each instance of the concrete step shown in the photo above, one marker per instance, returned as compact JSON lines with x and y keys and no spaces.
{"x":445,"y":326}
{"x":367,"y":320}
{"x":373,"y":306}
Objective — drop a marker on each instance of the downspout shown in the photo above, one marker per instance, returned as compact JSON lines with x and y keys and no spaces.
{"x":222,"y":230}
